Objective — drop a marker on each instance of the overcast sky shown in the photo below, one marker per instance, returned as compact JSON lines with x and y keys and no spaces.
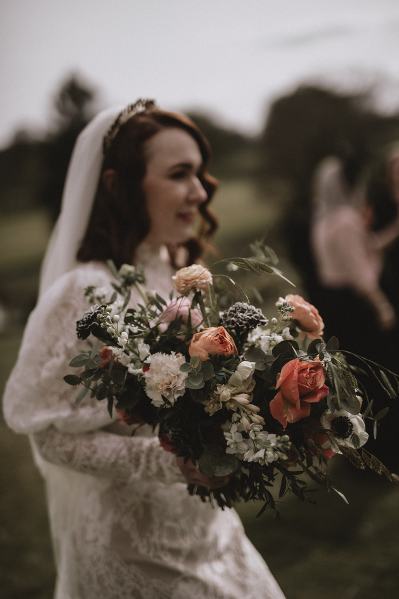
{"x":228,"y":57}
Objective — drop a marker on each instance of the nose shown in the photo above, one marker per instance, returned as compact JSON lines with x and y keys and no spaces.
{"x":198,"y":193}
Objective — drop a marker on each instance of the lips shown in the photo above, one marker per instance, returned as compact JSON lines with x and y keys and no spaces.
{"x":187,"y":217}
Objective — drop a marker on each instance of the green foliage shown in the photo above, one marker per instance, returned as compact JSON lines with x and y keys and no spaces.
{"x":214,"y":462}
{"x":72,"y":379}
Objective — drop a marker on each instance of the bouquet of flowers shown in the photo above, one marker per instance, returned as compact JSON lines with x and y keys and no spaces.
{"x":263,"y":401}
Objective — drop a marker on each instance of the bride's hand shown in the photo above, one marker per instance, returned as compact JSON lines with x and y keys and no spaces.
{"x":194,"y":477}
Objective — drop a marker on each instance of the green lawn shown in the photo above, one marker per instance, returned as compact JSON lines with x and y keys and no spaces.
{"x":328,"y":550}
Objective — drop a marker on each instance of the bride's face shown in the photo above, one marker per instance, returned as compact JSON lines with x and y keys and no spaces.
{"x":172,"y":187}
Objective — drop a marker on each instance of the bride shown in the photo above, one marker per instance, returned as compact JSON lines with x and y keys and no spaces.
{"x":122,"y":521}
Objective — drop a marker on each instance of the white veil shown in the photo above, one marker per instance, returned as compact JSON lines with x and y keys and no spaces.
{"x":77,"y":199}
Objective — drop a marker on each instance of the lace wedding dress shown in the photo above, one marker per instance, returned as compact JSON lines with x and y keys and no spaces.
{"x":122,"y":522}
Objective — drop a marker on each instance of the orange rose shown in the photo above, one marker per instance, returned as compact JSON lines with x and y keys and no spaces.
{"x":299,"y":384}
{"x":212,"y":341}
{"x":306,"y":315}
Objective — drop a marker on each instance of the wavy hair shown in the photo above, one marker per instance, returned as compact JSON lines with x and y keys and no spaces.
{"x":119,"y":220}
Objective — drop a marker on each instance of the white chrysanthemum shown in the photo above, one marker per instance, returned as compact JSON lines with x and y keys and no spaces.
{"x":347,"y":429}
{"x":164,"y":380}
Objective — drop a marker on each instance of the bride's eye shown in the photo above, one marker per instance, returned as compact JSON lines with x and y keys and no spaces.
{"x":180,"y":174}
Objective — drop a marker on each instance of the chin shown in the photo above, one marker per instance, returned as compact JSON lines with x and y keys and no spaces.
{"x":181,"y":235}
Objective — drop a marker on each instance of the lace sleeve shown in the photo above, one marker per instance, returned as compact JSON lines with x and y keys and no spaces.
{"x":36,"y":395}
{"x":108,"y":455}
{"x":38,"y":402}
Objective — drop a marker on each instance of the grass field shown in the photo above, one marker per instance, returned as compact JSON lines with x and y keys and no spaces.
{"x":329,"y":550}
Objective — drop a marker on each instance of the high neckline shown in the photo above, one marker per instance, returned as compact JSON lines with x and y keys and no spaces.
{"x":148,"y":254}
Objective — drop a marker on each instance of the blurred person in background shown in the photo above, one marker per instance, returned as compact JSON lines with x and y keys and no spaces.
{"x":350,"y":240}
{"x":122,"y":521}
{"x":349,"y":255}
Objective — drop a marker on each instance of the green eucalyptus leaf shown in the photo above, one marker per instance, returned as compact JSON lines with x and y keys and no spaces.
{"x":283,"y":486}
{"x":368,"y":409}
{"x":81,"y":395}
{"x":387,"y":385}
{"x":382,"y":413}
{"x":90,"y":372}
{"x":79,"y":360}
{"x":195,"y":363}
{"x":72,"y":379}
{"x":195,"y":381}
{"x":207,"y":370}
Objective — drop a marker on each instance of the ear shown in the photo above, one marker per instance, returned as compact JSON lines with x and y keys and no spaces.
{"x":110,"y":180}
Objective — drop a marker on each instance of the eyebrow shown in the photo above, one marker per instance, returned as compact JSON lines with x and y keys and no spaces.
{"x":185,"y":165}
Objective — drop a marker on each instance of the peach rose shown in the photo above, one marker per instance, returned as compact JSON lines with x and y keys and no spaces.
{"x":192,"y":277}
{"x":212,"y":341}
{"x":299,"y":384}
{"x":306,"y":315}
{"x":179,"y":308}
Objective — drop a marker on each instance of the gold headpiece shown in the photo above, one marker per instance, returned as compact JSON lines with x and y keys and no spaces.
{"x":141,"y":105}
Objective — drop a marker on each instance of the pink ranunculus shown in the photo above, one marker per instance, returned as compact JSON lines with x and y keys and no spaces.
{"x":300,"y":384}
{"x":306,"y":315}
{"x":179,"y":308}
{"x":212,"y":341}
